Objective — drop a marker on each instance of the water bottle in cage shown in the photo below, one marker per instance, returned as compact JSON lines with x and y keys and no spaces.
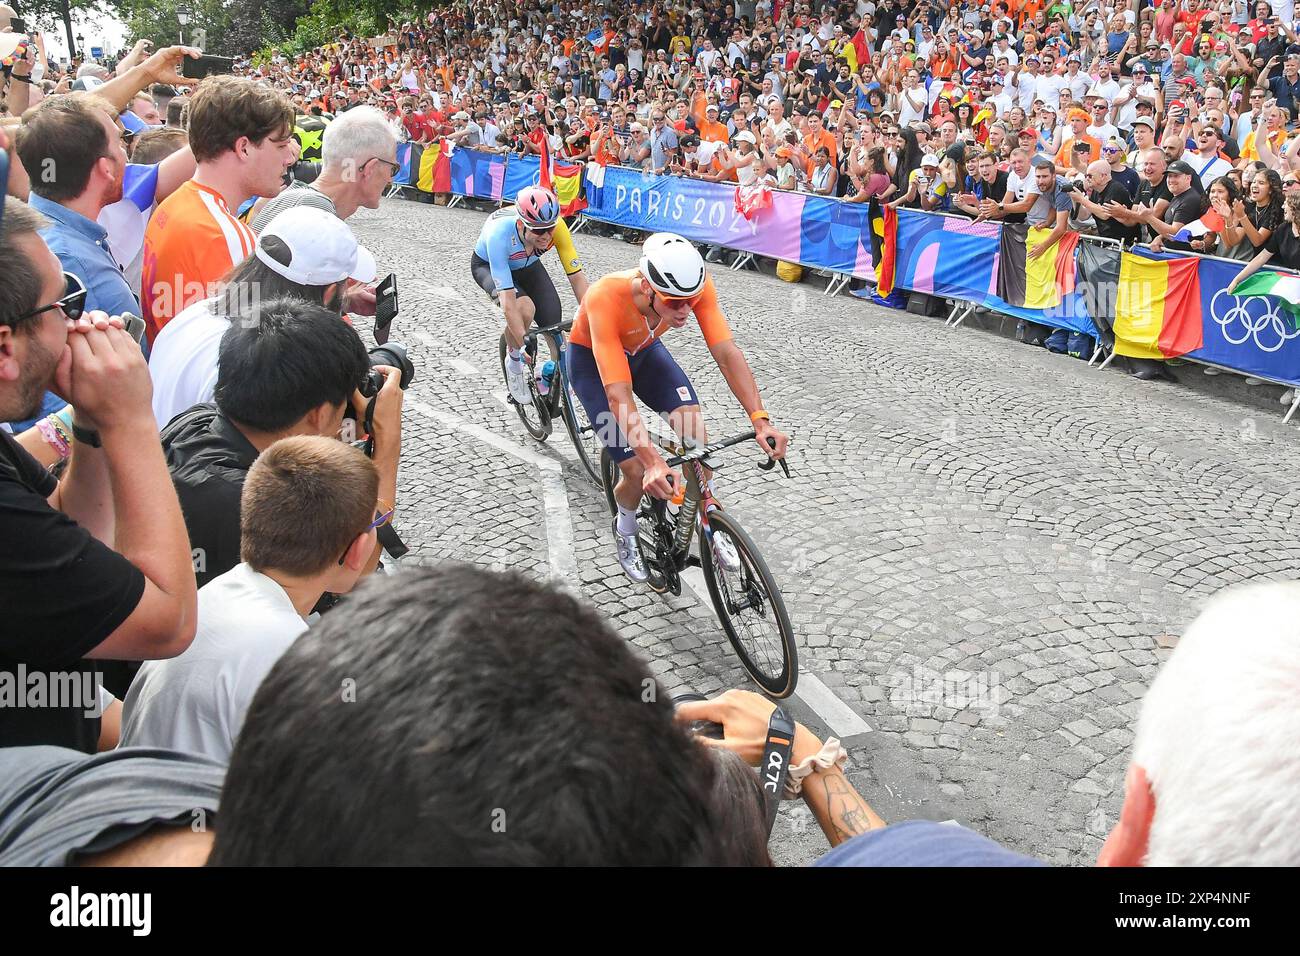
{"x":545,"y":377}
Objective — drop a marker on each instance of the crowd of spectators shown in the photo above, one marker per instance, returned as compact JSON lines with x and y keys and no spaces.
{"x":179,"y":517}
{"x":1149,"y":115}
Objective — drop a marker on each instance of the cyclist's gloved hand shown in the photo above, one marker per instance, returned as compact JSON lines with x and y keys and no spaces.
{"x":744,"y":716}
{"x":659,"y":479}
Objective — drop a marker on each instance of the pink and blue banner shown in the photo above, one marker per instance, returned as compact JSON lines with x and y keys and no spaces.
{"x":955,"y":258}
{"x":811,"y":230}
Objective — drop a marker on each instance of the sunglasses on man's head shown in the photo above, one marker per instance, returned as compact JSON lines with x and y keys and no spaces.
{"x":72,"y":303}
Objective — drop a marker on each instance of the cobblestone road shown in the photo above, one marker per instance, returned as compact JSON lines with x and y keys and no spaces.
{"x":986,"y":549}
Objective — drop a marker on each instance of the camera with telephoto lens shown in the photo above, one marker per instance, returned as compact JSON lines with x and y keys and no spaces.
{"x":392,"y":354}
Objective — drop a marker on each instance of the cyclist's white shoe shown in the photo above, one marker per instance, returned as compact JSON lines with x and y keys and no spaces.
{"x":517,"y":382}
{"x":724,"y":550}
{"x":629,"y":555}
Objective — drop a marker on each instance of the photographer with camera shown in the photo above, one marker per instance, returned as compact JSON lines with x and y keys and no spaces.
{"x":1091,"y":206}
{"x":285,"y":368}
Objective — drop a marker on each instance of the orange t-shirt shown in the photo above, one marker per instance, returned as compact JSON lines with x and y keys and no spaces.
{"x":604,"y":149}
{"x":711,"y":132}
{"x":1067,"y":149}
{"x":191,"y":242}
{"x":610,"y":324}
{"x":811,"y":142}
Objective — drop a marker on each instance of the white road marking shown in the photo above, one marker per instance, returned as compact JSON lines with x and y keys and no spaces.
{"x":843,"y":721}
{"x":561,"y":447}
{"x":424,"y":338}
{"x":461,"y":366}
{"x":555,"y":498}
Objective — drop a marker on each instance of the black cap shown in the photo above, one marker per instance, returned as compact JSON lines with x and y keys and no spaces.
{"x":1181,"y":167}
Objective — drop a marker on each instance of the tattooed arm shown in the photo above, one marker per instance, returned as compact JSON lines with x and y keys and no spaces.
{"x":839,"y":809}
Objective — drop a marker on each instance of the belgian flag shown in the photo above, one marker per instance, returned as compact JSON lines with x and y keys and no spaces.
{"x":1041,"y":283}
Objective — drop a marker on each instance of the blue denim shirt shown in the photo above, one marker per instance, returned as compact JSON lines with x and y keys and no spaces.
{"x":82,"y":246}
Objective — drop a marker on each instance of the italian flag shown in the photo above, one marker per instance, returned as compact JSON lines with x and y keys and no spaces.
{"x":1281,"y":285}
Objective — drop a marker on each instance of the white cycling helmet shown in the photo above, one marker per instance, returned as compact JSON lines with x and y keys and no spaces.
{"x":672,"y":266}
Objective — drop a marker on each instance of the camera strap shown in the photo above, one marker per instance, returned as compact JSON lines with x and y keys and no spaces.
{"x":391,"y":541}
{"x":776,"y":762}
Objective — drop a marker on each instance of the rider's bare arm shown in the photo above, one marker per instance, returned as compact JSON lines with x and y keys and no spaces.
{"x":740,"y":379}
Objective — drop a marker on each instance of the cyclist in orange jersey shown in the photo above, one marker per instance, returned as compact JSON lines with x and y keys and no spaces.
{"x":615,"y":352}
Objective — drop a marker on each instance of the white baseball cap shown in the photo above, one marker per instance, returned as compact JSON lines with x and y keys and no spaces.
{"x":322,"y":249}
{"x":929,"y":159}
{"x":745,"y":136}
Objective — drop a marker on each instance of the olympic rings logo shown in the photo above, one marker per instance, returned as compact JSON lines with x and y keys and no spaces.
{"x":1277,"y":325}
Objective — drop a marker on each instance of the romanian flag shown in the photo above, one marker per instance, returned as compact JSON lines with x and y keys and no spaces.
{"x":855,"y":51}
{"x":1040,"y":283}
{"x":568,"y":188}
{"x":435,"y":169}
{"x":1158,"y":307}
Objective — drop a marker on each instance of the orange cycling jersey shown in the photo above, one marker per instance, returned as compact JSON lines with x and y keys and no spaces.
{"x":610,"y":324}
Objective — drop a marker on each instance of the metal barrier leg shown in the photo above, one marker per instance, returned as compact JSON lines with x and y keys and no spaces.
{"x":1295,"y":403}
{"x":837,"y":283}
{"x":1109,"y":358}
{"x":742,"y":260}
{"x":578,"y":225}
{"x":963,"y":316}
{"x":455,"y":201}
{"x":956,"y":307}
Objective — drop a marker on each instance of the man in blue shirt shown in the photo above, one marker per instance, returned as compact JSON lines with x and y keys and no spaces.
{"x":72,"y":149}
{"x":1286,"y":88}
{"x":607,"y":80}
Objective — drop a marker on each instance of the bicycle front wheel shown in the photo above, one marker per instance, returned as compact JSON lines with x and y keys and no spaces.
{"x":535,"y":415}
{"x":585,"y":439}
{"x":751,"y":611}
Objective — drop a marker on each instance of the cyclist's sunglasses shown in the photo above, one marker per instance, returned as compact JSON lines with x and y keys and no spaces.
{"x":542,"y":230}
{"x":73,"y":302}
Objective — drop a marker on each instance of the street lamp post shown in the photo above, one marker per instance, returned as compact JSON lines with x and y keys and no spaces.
{"x":81,"y":47}
{"x":183,"y":17}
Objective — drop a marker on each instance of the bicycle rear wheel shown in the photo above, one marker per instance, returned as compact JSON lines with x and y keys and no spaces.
{"x":581,"y":430}
{"x":751,"y":611}
{"x":535,"y":415}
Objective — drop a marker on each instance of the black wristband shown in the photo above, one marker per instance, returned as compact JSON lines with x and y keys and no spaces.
{"x":20,"y":79}
{"x":87,"y":436}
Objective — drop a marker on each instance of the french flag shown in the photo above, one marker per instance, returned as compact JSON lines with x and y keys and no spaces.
{"x":126,"y":219}
{"x":1210,"y":222}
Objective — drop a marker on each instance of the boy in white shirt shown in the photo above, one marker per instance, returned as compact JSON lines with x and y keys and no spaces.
{"x":307,"y":526}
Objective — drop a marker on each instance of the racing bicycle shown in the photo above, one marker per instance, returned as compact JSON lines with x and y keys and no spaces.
{"x":560,"y":401}
{"x":747,"y":601}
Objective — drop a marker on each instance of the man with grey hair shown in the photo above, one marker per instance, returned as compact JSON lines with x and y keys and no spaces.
{"x":1214,"y":770}
{"x":358,"y":162}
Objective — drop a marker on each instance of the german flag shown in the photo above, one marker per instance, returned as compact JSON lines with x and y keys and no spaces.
{"x":884,"y":245}
{"x":1040,"y":283}
{"x":1158,"y":307}
{"x":435,"y":169}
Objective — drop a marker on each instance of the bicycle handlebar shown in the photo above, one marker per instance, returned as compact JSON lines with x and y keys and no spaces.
{"x":709,"y":449}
